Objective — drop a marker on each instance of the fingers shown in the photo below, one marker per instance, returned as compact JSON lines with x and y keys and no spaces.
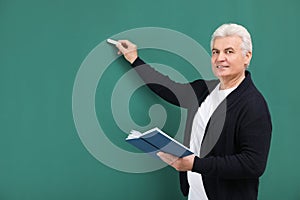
{"x":167,"y":158}
{"x":121,"y":48}
{"x":180,"y":164}
{"x":127,"y":44}
{"x":128,"y":49}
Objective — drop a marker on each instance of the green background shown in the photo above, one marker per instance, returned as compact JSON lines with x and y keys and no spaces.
{"x":42,"y":45}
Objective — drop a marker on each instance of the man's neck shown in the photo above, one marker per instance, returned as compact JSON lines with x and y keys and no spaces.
{"x":230,"y":82}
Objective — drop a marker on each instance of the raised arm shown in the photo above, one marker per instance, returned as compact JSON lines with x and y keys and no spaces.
{"x":179,"y":94}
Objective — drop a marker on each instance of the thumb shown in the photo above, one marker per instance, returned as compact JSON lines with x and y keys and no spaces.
{"x":121,"y":48}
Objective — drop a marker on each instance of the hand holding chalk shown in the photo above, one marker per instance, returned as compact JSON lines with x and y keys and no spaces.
{"x":128,"y":49}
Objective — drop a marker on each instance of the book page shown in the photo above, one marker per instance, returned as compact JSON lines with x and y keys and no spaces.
{"x":133,"y":135}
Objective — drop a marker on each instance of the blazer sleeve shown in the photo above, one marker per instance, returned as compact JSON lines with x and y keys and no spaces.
{"x":179,"y":94}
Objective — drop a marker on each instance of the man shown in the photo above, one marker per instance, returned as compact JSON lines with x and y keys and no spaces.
{"x":228,"y":126}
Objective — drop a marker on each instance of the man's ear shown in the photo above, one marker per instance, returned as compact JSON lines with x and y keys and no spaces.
{"x":248,"y":57}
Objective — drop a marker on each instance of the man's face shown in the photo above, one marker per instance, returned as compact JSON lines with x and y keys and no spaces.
{"x":227,"y":57}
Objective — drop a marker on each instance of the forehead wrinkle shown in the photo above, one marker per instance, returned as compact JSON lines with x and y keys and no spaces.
{"x":228,"y":40}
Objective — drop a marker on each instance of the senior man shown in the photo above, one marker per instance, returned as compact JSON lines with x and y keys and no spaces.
{"x":230,"y":107}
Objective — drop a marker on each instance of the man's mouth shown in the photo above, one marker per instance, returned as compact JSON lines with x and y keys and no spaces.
{"x":222,"y":67}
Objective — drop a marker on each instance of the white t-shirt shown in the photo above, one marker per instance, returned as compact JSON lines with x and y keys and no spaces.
{"x":202,"y":116}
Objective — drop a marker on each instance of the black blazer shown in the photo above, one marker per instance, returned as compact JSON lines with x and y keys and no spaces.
{"x":237,"y":138}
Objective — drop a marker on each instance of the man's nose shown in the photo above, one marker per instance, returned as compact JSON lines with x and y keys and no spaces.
{"x":221,"y":57}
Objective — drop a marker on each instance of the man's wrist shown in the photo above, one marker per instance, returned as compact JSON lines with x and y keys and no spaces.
{"x":195,"y":164}
{"x":137,"y":62}
{"x":133,"y":59}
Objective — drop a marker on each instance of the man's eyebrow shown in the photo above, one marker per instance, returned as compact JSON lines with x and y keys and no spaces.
{"x":229,"y":48}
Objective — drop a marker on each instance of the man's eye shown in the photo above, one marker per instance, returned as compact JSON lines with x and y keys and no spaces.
{"x":228,"y":51}
{"x":214,"y":52}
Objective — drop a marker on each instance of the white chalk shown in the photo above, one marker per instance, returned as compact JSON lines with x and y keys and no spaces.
{"x":114,"y":42}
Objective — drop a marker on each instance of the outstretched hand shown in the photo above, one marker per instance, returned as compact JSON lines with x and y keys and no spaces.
{"x":128,"y":49}
{"x":180,"y":164}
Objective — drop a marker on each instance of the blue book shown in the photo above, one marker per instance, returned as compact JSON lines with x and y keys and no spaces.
{"x":156,"y":140}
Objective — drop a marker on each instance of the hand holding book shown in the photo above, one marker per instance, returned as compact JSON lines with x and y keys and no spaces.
{"x":180,"y":164}
{"x":157,"y":143}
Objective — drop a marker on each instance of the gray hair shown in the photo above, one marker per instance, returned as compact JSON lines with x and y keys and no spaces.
{"x":234,"y":30}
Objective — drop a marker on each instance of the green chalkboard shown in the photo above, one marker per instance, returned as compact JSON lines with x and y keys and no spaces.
{"x":55,"y":67}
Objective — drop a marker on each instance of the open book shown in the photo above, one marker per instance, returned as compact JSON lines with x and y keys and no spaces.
{"x":156,"y":140}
